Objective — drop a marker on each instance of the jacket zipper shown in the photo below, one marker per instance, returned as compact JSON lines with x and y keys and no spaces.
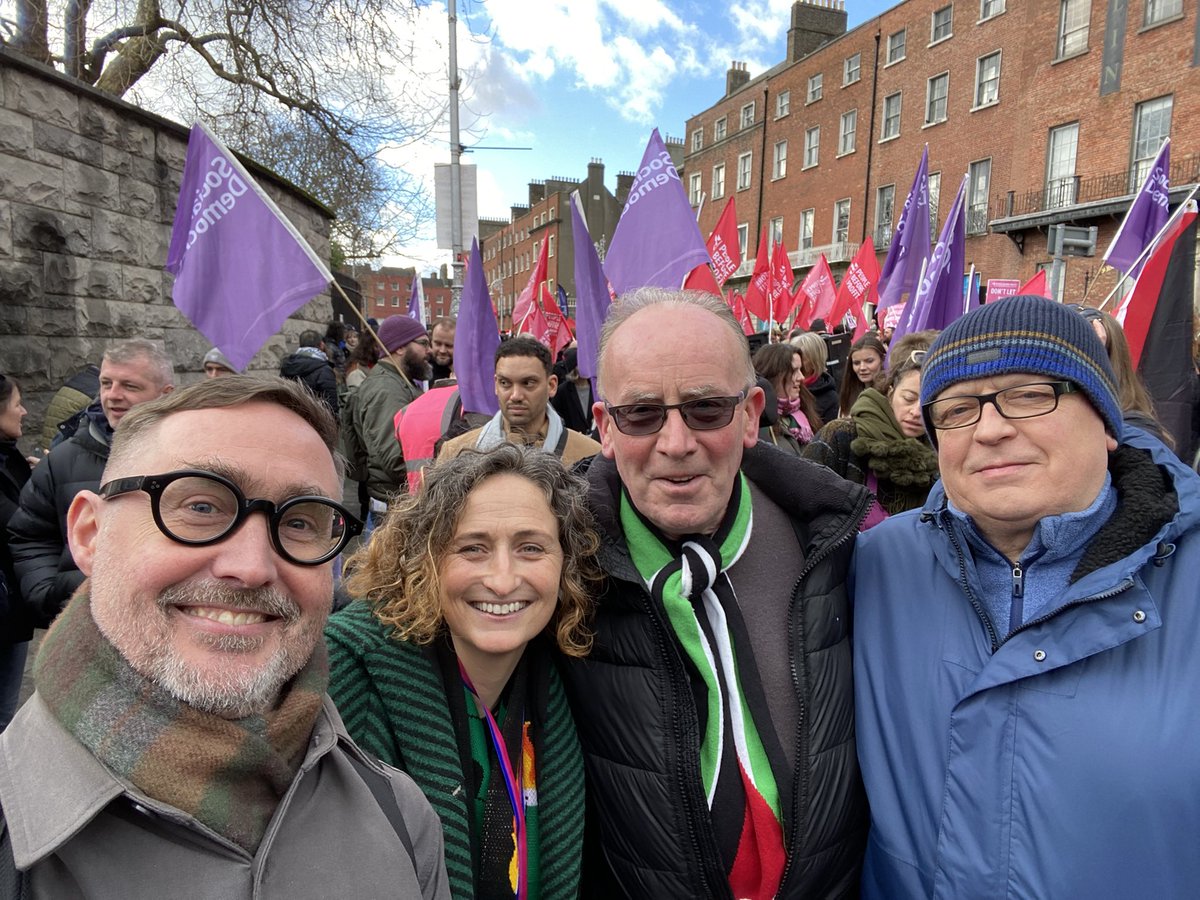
{"x":800,"y":787}
{"x":966,"y":586}
{"x":1124,"y":585}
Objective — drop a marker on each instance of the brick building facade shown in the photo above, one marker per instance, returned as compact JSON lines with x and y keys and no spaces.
{"x":510,"y":248}
{"x":1053,"y":109}
{"x":386,"y":292}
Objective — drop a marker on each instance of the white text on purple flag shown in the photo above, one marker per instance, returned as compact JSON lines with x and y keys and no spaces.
{"x":219,"y":177}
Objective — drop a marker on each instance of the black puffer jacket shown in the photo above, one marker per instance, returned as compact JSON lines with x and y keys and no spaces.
{"x":824,"y":391}
{"x":38,"y":529}
{"x":314,"y":371}
{"x":14,"y":472}
{"x":638,"y":723}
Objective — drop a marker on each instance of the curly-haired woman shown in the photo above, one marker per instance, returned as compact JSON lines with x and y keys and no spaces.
{"x":446,"y":668}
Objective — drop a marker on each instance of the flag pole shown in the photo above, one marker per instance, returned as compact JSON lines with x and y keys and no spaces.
{"x":371,"y":331}
{"x":967,"y":292}
{"x":1150,"y":246}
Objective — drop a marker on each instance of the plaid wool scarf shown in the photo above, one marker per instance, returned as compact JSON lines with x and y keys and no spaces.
{"x":228,"y":774}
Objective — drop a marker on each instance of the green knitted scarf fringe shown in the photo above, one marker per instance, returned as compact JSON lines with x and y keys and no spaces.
{"x":228,"y":774}
{"x":891,"y":455}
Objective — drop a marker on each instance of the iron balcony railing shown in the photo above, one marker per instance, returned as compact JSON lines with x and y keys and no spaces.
{"x":1074,"y":190}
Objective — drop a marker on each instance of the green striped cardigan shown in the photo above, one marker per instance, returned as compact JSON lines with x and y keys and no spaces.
{"x":391,"y":698}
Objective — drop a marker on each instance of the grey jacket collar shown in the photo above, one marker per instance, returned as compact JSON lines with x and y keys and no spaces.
{"x":51,"y":787}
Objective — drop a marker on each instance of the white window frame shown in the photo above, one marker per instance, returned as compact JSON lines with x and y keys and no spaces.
{"x":747,"y":115}
{"x":980,"y":84}
{"x":775,"y":230}
{"x":812,"y":147}
{"x":718,"y":181}
{"x":888,"y":221}
{"x":697,"y":139}
{"x":807,"y":220}
{"x":743,"y":236}
{"x":1074,"y":23}
{"x":1142,"y":157}
{"x":1062,"y":156}
{"x":989,"y":9}
{"x":779,"y":160}
{"x":550,"y":245}
{"x":745,"y":170}
{"x":1160,"y":11}
{"x":695,"y":188}
{"x":848,"y":136}
{"x":974,"y":201}
{"x":892,"y":57}
{"x":851,"y":69}
{"x":934,"y":25}
{"x":930,"y":115}
{"x":935,"y":199}
{"x":884,"y":119}
{"x":783,"y":104}
{"x":719,"y":128}
{"x":837,"y":214}
{"x":816,"y":87}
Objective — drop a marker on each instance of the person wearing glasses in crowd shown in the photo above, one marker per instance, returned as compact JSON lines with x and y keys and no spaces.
{"x":180,"y":741}
{"x":882,"y":444}
{"x":715,"y":709}
{"x":1025,"y":646}
{"x":446,"y":668}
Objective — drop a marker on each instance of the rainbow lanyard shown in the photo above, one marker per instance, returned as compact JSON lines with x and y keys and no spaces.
{"x":512,"y":784}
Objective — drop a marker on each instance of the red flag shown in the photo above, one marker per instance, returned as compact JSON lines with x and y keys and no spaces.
{"x":1143,"y":300}
{"x":859,"y":286}
{"x":781,"y":284}
{"x":526,"y":302}
{"x":817,"y":291}
{"x":723,"y":245}
{"x":758,"y":292}
{"x":738,"y":304}
{"x":558,"y":331}
{"x":701,"y":279}
{"x":1036,"y":286}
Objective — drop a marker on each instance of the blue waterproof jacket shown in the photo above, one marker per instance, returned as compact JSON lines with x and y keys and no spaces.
{"x":1062,"y":762}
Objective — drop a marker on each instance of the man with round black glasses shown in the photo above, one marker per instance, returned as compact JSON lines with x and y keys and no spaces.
{"x":180,"y":741}
{"x":715,"y":710}
{"x":1025,"y":646}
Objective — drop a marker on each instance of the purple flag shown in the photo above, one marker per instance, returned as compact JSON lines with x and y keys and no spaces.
{"x":591,"y":295}
{"x":240,"y":266}
{"x":1145,"y":219}
{"x":657,"y":241}
{"x":939,"y":297}
{"x":910,"y":241}
{"x":476,"y":340}
{"x":416,"y":302}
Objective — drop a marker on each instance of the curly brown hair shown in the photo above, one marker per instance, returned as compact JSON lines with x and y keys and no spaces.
{"x":398,"y":571}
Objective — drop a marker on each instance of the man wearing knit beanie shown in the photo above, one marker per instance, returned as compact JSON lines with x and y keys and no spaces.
{"x":1024,"y":683}
{"x":392,"y":384}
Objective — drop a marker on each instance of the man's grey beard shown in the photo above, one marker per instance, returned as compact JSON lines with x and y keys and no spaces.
{"x":230,"y":692}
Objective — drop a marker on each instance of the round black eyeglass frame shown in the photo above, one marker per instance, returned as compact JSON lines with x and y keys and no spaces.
{"x":154,"y":485}
{"x":727,"y":404}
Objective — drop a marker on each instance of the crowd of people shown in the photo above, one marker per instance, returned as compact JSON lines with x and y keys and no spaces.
{"x":906,"y":622}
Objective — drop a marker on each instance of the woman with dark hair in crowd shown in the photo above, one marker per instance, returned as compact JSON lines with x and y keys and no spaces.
{"x":863,"y":364}
{"x":796,"y":421}
{"x":1136,"y":405}
{"x":15,"y":628}
{"x":447,"y":666}
{"x":361,"y":360}
{"x":815,"y":355}
{"x":882,"y":444}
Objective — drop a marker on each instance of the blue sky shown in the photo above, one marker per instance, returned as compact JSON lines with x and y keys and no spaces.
{"x":577,"y":79}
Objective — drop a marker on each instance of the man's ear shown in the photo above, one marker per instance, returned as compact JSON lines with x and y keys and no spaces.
{"x":83,"y":527}
{"x":553,"y":381}
{"x":756,"y":399}
{"x":167,"y":388}
{"x":604,"y":426}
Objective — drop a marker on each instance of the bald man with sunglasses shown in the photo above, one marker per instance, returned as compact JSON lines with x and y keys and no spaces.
{"x":716,"y":708}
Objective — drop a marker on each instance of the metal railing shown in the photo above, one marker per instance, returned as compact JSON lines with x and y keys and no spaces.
{"x":1073,"y":190}
{"x":882,"y":236}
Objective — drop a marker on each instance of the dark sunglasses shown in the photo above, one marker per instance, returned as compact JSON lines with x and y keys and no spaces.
{"x":705,"y":414}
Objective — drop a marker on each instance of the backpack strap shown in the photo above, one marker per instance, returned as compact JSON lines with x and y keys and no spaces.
{"x":381,"y":789}
{"x":14,"y":884}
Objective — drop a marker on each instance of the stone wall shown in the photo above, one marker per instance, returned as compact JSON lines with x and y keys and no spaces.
{"x":88,"y":187}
